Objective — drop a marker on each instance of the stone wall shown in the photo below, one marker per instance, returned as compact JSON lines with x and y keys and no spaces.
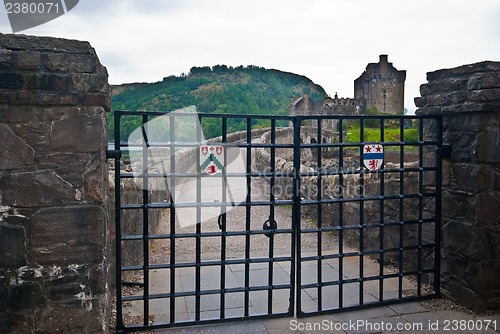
{"x":54,"y":97}
{"x":131,"y":192}
{"x":469,"y":99}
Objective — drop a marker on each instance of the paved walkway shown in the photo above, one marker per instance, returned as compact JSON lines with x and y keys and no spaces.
{"x":402,"y":318}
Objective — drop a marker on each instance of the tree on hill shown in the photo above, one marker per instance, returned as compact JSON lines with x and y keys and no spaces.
{"x":220,"y":89}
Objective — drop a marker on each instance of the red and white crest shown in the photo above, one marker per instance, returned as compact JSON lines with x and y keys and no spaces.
{"x":373,"y":156}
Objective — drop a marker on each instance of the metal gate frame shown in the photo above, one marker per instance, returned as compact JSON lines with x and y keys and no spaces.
{"x":430,"y":145}
{"x":295,"y":258}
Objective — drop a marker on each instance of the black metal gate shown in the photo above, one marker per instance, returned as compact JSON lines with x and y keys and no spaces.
{"x":275,"y":216}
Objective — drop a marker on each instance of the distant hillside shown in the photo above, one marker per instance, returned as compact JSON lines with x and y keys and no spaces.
{"x":219,"y":89}
{"x":118,"y":89}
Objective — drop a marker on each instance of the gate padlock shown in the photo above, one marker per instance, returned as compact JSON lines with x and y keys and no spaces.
{"x":269,"y":226}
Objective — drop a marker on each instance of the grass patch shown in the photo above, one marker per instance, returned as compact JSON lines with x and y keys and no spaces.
{"x":372,"y":133}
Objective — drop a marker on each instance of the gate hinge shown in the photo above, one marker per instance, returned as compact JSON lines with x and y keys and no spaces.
{"x":113,"y":154}
{"x":444,"y":151}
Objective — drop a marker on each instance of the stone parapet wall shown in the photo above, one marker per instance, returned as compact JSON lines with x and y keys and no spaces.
{"x":468,"y":97}
{"x":131,"y":192}
{"x":283,"y":190}
{"x":54,"y":97}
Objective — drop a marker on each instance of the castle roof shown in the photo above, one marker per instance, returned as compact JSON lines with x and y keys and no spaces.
{"x":383,"y":66}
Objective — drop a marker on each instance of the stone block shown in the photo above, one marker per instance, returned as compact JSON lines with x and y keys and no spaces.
{"x":26,"y":295}
{"x":35,"y":189}
{"x":464,"y":145}
{"x":6,"y":59}
{"x":446,"y":173}
{"x":12,"y":245}
{"x":64,"y":161}
{"x":488,"y":277}
{"x":461,"y":238}
{"x":465,"y":122}
{"x":496,"y":178}
{"x":63,"y":98}
{"x":453,"y":109}
{"x":6,"y":97}
{"x":65,"y":62}
{"x":488,"y":146}
{"x":98,"y":277}
{"x":91,"y":83}
{"x":484,"y":80}
{"x":470,"y":107}
{"x":73,"y":274}
{"x":49,"y":114}
{"x":494,"y":240}
{"x":61,"y":235}
{"x":480,"y":95}
{"x":458,"y":205}
{"x":446,"y":85}
{"x":488,"y":209}
{"x":78,"y":134}
{"x":464,"y":295}
{"x":34,"y":43}
{"x":97,"y":99}
{"x":57,"y":318}
{"x":471,"y":177}
{"x":459,"y":267}
{"x":27,"y":60}
{"x":4,"y":300}
{"x":11,"y":80}
{"x":65,"y":292}
{"x":15,"y":153}
{"x":420,"y":102}
{"x":485,"y":66}
{"x":446,"y":98}
{"x":95,"y":186}
{"x":14,"y":323}
{"x":16,"y":114}
{"x":49,"y":82}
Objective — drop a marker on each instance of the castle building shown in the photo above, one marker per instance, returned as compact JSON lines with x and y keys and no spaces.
{"x":380,"y":86}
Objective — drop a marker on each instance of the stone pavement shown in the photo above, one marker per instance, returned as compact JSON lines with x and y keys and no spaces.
{"x":402,"y":318}
{"x":411,"y":317}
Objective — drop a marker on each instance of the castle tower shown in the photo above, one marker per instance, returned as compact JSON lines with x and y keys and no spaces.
{"x":381,"y":86}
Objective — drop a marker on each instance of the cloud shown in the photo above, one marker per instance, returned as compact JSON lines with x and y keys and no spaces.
{"x":329,"y":41}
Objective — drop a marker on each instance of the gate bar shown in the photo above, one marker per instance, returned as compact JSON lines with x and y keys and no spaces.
{"x":437,"y":241}
{"x":296,"y":265}
{"x":118,"y":232}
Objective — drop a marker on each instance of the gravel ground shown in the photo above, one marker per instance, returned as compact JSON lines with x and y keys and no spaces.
{"x":235,"y":246}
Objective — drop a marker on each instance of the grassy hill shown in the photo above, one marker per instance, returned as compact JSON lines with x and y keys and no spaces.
{"x":219,"y":89}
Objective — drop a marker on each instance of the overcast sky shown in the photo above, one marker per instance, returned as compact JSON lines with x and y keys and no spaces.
{"x":329,"y":41}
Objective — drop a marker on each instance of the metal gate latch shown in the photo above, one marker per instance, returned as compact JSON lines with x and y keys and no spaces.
{"x":222,"y":221}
